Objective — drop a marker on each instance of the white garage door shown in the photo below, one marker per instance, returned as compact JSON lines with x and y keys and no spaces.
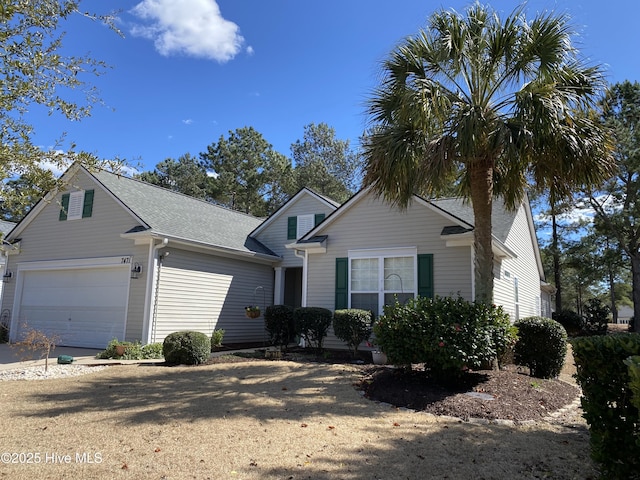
{"x":84,"y":307}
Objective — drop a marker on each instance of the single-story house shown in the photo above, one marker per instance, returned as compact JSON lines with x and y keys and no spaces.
{"x":114,"y":257}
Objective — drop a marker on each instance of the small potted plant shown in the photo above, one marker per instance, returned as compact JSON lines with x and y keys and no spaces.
{"x":377,"y":355}
{"x":252,"y":311}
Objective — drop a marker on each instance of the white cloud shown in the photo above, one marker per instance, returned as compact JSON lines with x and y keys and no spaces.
{"x":190,"y":27}
{"x":250,"y":50}
{"x":187,"y":121}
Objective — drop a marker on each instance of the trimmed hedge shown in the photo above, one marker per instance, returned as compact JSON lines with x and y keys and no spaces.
{"x":449,"y":335}
{"x":607,"y":401}
{"x":352,"y":326}
{"x":312,"y":324}
{"x":278,"y":320}
{"x":596,"y":317}
{"x":541,"y":346}
{"x":633,"y":363}
{"x":186,"y":348}
{"x":572,"y":321}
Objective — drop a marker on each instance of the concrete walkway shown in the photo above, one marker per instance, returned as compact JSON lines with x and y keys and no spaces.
{"x":11,"y":357}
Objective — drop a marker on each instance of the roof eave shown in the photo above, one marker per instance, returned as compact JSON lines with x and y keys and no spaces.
{"x":466,"y":239}
{"x":145,"y":237}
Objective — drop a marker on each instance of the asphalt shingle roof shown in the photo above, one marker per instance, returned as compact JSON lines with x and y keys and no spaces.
{"x":502,"y":218}
{"x":177,"y":215}
{"x":6,"y":227}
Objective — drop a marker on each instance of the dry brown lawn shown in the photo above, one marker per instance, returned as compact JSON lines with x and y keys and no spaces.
{"x":260,"y":420}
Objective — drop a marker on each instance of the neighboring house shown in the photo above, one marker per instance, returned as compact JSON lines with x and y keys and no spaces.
{"x":114,"y":257}
{"x":625,"y":314}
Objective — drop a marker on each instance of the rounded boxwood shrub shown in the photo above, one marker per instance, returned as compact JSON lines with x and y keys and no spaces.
{"x":186,"y":348}
{"x":312,"y":324}
{"x":278,"y":320}
{"x":352,"y":326}
{"x":541,"y":346}
{"x":572,"y":321}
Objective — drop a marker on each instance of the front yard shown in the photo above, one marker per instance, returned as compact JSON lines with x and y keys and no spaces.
{"x":259,"y":420}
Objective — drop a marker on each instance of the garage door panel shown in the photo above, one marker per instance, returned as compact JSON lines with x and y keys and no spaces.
{"x":84,"y":307}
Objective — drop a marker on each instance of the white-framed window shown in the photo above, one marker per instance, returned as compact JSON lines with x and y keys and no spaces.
{"x":379,"y":277}
{"x":300,"y":225}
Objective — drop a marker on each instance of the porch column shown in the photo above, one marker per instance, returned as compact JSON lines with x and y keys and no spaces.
{"x":278,"y":287}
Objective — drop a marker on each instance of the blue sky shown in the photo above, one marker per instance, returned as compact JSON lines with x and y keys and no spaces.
{"x":189,"y":71}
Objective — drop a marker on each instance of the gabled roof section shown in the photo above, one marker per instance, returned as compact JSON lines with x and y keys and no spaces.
{"x":282,"y":210}
{"x":162,"y":212}
{"x":181,"y":216}
{"x":456,"y":210}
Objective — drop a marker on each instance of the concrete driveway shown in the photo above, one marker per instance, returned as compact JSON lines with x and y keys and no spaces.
{"x":11,"y":357}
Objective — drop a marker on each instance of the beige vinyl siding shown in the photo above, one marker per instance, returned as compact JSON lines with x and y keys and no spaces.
{"x":206,"y":292}
{"x":524,"y":268}
{"x":48,"y":238}
{"x":372,"y":224}
{"x":274,"y":235}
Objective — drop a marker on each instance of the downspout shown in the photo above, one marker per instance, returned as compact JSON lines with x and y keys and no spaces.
{"x":152,"y":287}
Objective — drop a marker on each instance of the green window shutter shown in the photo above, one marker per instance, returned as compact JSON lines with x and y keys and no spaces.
{"x":87,"y":207}
{"x":342,"y":283}
{"x":292,"y":228}
{"x":65,"y":207}
{"x":425,"y":275}
{"x":318,"y":218}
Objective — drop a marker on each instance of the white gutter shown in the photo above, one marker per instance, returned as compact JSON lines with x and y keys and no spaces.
{"x":305,"y":269}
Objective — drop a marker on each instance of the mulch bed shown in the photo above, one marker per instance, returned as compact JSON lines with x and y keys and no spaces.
{"x":488,"y":394}
{"x":507,"y":394}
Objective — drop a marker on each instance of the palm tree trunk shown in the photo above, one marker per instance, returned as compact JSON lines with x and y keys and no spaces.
{"x":482,"y":200}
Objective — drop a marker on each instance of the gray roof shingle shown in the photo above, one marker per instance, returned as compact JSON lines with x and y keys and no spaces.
{"x":173,"y":214}
{"x":502,"y":218}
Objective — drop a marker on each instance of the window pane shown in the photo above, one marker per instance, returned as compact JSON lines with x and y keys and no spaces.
{"x":391,"y":298}
{"x":365,"y":301}
{"x":364,"y":274}
{"x":398,"y":274}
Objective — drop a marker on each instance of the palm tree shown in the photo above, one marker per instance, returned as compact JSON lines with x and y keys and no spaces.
{"x":491,"y":105}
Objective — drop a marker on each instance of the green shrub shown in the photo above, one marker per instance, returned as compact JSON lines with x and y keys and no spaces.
{"x":572,"y":321}
{"x":352,"y":326}
{"x":449,"y":335}
{"x":186,"y":348}
{"x":606,"y":401}
{"x":541,"y":346}
{"x":132,"y":351}
{"x":278,"y":320}
{"x":596,"y":317}
{"x":312,"y":324}
{"x":633,"y":364}
{"x":151,"y":350}
{"x":216,"y":338}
